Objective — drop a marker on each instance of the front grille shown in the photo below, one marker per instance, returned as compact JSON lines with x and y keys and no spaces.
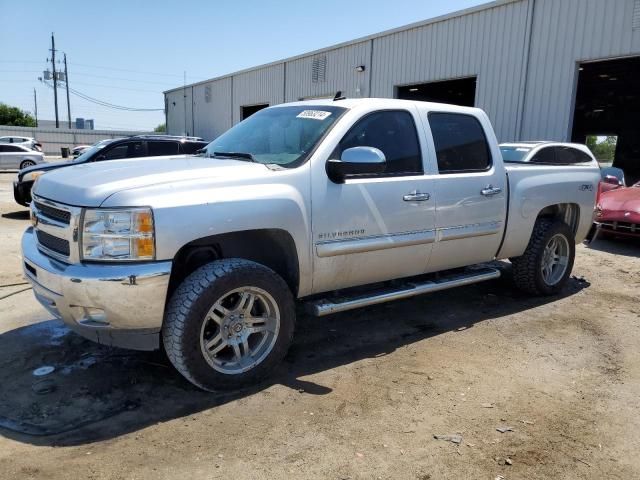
{"x":61,"y":216}
{"x":621,"y":226}
{"x":55,"y":244}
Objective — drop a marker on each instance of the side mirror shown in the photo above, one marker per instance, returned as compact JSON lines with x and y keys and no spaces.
{"x":356,"y":161}
{"x":611,"y":180}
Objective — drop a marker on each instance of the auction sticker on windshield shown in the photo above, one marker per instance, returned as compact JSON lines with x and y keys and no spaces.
{"x":314,"y":114}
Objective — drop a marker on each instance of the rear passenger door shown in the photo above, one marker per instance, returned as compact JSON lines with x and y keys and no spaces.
{"x":470,"y":191}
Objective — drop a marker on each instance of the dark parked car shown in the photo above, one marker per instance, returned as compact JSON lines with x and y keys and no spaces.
{"x":130,"y":147}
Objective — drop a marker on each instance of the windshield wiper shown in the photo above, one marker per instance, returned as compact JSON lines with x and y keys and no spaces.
{"x":238,"y":155}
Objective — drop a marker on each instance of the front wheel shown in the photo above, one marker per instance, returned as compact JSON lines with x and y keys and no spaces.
{"x":546,"y":264}
{"x":228,"y":324}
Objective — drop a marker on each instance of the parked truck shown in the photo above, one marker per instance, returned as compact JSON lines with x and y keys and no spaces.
{"x":206,"y":256}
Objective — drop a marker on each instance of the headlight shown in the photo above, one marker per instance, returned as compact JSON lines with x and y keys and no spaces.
{"x":598,"y":210}
{"x":31,"y":176}
{"x":118,"y":235}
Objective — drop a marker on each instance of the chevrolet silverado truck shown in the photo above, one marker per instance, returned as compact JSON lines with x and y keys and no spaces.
{"x":333,"y":204}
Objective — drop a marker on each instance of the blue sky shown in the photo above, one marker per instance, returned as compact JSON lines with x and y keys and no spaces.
{"x":128,"y":52}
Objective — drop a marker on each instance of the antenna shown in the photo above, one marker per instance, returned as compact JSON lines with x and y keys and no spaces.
{"x":338,"y":96}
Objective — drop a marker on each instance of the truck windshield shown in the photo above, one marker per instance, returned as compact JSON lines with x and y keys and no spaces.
{"x":280,"y":135}
{"x":514,"y":154}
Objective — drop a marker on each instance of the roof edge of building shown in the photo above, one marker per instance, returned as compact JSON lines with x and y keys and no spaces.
{"x":373,"y":36}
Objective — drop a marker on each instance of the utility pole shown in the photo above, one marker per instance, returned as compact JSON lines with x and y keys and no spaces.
{"x":66,"y":81}
{"x":184,"y":95}
{"x":35,"y":103}
{"x":55,"y":78}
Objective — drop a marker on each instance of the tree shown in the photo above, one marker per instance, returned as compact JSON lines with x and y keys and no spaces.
{"x":15,"y":117}
{"x":605,"y":150}
{"x":162,"y":128}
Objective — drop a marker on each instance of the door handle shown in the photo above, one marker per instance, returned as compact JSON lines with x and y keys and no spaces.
{"x":490,"y":190}
{"x":416,"y":197}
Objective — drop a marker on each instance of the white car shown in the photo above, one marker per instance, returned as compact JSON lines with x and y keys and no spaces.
{"x":546,"y":153}
{"x":16,"y":156}
{"x":29,"y":142}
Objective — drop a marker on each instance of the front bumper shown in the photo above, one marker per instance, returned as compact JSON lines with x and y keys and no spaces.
{"x":623,"y":229}
{"x":118,"y":305}
{"x":22,"y":192}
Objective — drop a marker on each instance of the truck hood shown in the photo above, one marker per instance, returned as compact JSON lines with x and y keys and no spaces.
{"x":90,"y":184}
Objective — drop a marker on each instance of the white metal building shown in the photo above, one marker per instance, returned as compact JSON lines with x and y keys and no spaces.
{"x":541,"y":69}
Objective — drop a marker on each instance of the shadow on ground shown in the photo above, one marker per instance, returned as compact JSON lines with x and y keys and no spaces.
{"x":132,"y":390}
{"x":18,"y":215}
{"x":626,"y":246}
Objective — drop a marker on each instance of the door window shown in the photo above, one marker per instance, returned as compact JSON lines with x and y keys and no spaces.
{"x":124,"y":150}
{"x":394,"y":133}
{"x":460,"y":142}
{"x":162,"y":148}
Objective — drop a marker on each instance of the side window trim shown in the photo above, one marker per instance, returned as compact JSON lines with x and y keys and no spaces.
{"x":334,"y":153}
{"x":484,"y":134}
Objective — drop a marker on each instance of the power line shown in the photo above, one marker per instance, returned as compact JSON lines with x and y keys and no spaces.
{"x":117,"y":88}
{"x":107,"y":104}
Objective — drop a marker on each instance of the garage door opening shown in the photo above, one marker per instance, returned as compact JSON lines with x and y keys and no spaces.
{"x":456,"y":92}
{"x":608,"y":105}
{"x":248,"y":110}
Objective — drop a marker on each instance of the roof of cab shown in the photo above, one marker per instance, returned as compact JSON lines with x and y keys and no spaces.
{"x":382,"y":103}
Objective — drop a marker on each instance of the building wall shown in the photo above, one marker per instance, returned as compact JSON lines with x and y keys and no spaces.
{"x":340,"y":74}
{"x":263,"y":85}
{"x":180,"y":119}
{"x":212,"y":108}
{"x":488,"y":44}
{"x":565,"y":33}
{"x":524,"y":53}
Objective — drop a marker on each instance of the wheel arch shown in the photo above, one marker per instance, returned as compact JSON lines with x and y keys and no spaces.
{"x":568,"y":213}
{"x":520,"y":227}
{"x":273,"y":248}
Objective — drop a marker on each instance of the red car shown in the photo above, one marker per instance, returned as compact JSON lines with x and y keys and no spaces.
{"x":618,"y":211}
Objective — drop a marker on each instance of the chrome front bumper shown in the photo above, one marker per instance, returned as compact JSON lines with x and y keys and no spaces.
{"x":119,"y":305}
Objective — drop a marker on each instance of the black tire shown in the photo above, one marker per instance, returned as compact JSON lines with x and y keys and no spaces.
{"x":190,"y":304}
{"x":527,"y":269}
{"x":27,"y":163}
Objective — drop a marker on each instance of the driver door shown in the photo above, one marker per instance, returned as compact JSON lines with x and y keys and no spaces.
{"x":380,"y":226}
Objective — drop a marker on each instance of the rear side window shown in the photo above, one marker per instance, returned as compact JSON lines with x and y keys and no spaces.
{"x":545,"y":155}
{"x":394,"y":133}
{"x":461,"y":145}
{"x":568,"y":155}
{"x":162,"y":148}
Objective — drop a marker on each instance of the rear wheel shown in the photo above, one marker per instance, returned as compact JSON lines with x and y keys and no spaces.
{"x":546,"y":264}
{"x":27,"y":163}
{"x":229,"y":324}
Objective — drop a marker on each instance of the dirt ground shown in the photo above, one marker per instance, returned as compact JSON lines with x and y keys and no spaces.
{"x":360,"y":396}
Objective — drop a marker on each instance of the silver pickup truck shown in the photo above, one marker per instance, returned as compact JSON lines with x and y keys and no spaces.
{"x":207,"y":255}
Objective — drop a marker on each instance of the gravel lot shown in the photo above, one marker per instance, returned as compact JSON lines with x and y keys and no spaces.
{"x":360,"y":396}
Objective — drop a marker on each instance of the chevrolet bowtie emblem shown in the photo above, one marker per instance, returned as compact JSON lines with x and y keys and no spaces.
{"x":34,"y":219}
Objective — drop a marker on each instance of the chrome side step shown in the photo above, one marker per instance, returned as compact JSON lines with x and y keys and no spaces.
{"x":323,"y":307}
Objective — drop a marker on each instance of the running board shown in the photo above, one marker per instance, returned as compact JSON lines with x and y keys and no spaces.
{"x":323,"y":307}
